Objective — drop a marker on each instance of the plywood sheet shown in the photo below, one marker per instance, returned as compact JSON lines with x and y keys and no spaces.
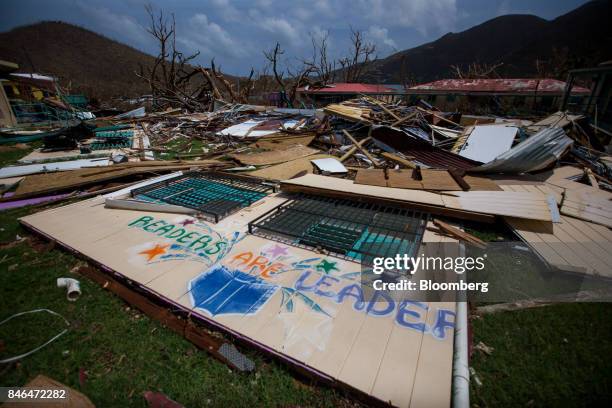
{"x":274,"y":156}
{"x":300,"y":304}
{"x":288,"y":169}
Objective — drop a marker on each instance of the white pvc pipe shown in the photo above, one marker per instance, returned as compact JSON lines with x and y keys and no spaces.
{"x":461,"y":365}
{"x":461,"y":371}
{"x":73,"y":288}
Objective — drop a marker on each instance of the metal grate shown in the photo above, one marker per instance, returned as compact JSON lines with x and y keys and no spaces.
{"x":213,"y":194}
{"x":349,"y":229}
{"x":114,"y":139}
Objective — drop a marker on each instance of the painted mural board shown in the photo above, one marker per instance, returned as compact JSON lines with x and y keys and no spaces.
{"x":303,"y":305}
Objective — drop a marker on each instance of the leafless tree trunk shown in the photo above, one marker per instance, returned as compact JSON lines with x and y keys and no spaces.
{"x":294,"y":80}
{"x":362,"y":53}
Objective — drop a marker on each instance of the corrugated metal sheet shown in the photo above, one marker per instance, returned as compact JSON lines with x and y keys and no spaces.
{"x":535,"y":153}
{"x":419,"y":150}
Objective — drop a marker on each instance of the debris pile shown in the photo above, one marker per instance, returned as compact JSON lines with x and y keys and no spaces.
{"x":341,"y":185}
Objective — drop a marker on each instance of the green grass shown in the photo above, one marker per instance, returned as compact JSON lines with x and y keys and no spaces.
{"x":551,"y":356}
{"x":10,"y":153}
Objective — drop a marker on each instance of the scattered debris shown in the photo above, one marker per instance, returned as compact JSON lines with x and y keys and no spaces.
{"x":73,"y":288}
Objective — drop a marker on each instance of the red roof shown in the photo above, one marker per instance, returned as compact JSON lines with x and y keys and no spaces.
{"x":348,"y":88}
{"x":505,"y":85}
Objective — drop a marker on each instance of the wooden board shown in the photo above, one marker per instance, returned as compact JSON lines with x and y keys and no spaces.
{"x":530,"y":205}
{"x":371,"y":177}
{"x":302,"y":306}
{"x":403,"y":179}
{"x":435,"y":180}
{"x":438,"y":180}
{"x":572,"y":245}
{"x":288,"y":169}
{"x":478,"y":183}
{"x":588,"y":206}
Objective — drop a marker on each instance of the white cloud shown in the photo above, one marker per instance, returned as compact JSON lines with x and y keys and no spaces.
{"x":423,"y":15}
{"x":210,"y":38}
{"x":226,"y":10}
{"x":380,"y":35}
{"x":283,"y":28}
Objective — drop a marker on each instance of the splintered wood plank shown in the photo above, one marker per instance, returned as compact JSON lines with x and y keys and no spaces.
{"x":372,"y":177}
{"x":399,"y":160}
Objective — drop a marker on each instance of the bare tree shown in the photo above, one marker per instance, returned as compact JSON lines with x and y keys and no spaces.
{"x":361,"y":54}
{"x":174,"y":81}
{"x":476,"y":70}
{"x":322,"y":69}
{"x":169,"y":78}
{"x":295,"y":79}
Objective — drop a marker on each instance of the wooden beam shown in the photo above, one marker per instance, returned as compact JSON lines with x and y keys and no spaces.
{"x":462,"y":235}
{"x":458,"y":177}
{"x":353,"y":149}
{"x":402,"y":120}
{"x":361,"y":149}
{"x":591,"y":178}
{"x":439,"y":117}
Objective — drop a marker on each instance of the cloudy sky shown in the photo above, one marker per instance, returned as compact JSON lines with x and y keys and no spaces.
{"x":236,"y":32}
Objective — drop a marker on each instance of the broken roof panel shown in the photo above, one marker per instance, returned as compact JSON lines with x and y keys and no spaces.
{"x":485,"y":143}
{"x":501,"y":85}
{"x":419,"y":150}
{"x":535,"y":153}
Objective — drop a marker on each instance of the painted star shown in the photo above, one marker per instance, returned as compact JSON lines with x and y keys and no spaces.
{"x":153,"y":252}
{"x":277,"y":251}
{"x":327,"y":266}
{"x":186,"y":222}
